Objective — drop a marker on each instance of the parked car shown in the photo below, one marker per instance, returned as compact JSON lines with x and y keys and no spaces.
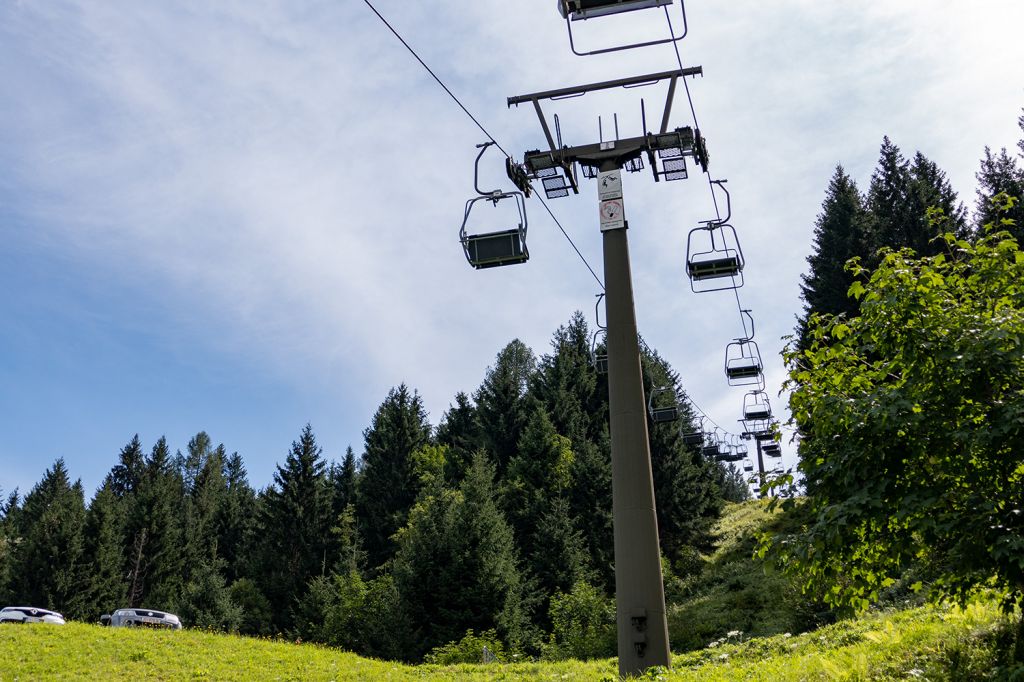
{"x":146,"y":618}
{"x":30,"y":614}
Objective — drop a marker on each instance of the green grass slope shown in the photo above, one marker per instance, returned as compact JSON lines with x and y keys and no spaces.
{"x":923,"y":643}
{"x":730,"y":590}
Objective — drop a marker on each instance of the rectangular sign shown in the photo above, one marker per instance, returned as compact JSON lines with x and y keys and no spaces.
{"x":609,"y":184}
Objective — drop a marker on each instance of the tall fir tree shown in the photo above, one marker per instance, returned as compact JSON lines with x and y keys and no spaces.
{"x":236,"y":521}
{"x":898,"y":198}
{"x":566,"y":383}
{"x":295,"y":525}
{"x":502,"y":404}
{"x":9,"y":508}
{"x":1002,"y":173}
{"x":104,"y":552}
{"x":887,"y":201}
{"x":387,"y":481}
{"x":48,"y":567}
{"x":841,"y":232}
{"x":154,"y":534}
{"x":534,"y":495}
{"x":929,"y":189}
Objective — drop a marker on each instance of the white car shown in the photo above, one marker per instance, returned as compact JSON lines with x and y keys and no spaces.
{"x":30,"y":614}
{"x":147,"y":618}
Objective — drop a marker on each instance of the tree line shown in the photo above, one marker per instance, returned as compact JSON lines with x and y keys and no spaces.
{"x":492,"y":521}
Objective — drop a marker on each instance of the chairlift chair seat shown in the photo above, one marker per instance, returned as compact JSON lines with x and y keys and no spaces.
{"x":772,"y":450}
{"x":660,"y":415}
{"x":758,"y":412}
{"x":693,"y":438}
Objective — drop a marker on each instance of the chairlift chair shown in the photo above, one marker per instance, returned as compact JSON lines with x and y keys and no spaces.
{"x":501,"y":247}
{"x":660,"y":415}
{"x":714,"y":259}
{"x":710,"y":447}
{"x":580,"y":10}
{"x":748,"y":466}
{"x":743,"y":366}
{"x":756,"y":407}
{"x":772,"y":449}
{"x":694,"y":436}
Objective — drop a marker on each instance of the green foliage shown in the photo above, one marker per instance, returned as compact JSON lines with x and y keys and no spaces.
{"x":256,"y":610}
{"x":485,"y":647}
{"x":582,"y":625}
{"x":911,"y":420}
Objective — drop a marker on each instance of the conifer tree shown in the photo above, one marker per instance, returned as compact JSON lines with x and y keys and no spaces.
{"x":930,"y":189}
{"x":387,"y":482}
{"x":343,"y":481}
{"x":48,"y":569}
{"x":8,"y":540}
{"x":566,"y":383}
{"x":460,"y":431}
{"x":104,"y":552}
{"x":1002,"y":173}
{"x":295,"y":523}
{"x":502,"y":405}
{"x":127,"y":473}
{"x":898,"y":199}
{"x":455,"y":568}
{"x":887,"y":201}
{"x":154,"y":534}
{"x":536,"y":484}
{"x":840,"y":233}
{"x":236,"y":521}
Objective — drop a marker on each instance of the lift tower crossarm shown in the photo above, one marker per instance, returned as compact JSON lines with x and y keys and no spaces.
{"x":633,"y":81}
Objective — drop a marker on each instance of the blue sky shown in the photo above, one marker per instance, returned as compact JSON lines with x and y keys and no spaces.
{"x":240,"y":217}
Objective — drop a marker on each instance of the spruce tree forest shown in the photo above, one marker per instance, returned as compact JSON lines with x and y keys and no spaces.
{"x":497,"y":519}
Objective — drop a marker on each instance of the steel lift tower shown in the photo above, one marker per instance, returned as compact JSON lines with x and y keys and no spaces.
{"x":639,"y":589}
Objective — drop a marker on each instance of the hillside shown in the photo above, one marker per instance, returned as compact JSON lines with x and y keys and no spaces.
{"x":734,"y":621}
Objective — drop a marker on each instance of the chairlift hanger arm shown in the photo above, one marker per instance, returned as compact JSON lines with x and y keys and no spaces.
{"x":476,"y":172}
